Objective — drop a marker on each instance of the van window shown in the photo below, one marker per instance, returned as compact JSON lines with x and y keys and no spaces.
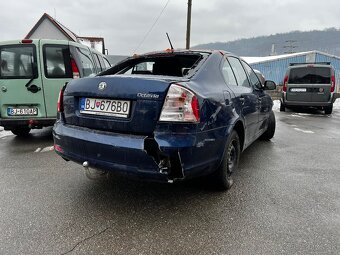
{"x":96,"y":60}
{"x":310,"y":75}
{"x":87,"y":65}
{"x":101,"y":60}
{"x":57,"y":61}
{"x":18,"y":62}
{"x":106,"y":63}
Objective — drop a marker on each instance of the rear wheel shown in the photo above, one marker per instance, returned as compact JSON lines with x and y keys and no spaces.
{"x":269,"y":133}
{"x":222,"y":178}
{"x":329,"y":109}
{"x":21,"y":131}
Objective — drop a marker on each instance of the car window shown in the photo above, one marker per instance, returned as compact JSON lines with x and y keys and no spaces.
{"x":254,"y":79}
{"x":228,"y":74}
{"x":17,"y":62}
{"x":102,"y":64}
{"x":310,"y":75}
{"x":87,"y":65}
{"x":57,"y":61}
{"x":96,"y":60}
{"x":239,"y":72}
{"x":106,"y":63}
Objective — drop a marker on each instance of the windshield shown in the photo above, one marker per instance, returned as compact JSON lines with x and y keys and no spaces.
{"x":310,"y":75}
{"x":17,"y":62}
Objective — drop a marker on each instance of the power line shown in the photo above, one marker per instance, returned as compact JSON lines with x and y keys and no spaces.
{"x":147,"y":33}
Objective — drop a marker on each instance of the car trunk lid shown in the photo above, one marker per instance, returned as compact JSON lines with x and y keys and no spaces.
{"x":90,"y":102}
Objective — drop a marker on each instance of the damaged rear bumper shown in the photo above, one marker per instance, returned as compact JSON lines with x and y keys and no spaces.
{"x":162,"y":158}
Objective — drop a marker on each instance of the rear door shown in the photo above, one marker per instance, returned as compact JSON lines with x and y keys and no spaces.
{"x":309,"y":84}
{"x":56,"y":71}
{"x":21,"y":94}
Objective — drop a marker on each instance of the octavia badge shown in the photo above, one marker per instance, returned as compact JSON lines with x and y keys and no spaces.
{"x":102,"y":85}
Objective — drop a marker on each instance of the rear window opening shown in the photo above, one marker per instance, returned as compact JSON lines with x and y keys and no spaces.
{"x":310,"y":75}
{"x":18,"y":62}
{"x":178,"y":65}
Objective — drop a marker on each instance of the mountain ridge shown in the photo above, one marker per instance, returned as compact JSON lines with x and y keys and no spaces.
{"x":327,"y":40}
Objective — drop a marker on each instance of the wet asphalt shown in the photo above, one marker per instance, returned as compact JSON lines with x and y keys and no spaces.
{"x":285,"y":200}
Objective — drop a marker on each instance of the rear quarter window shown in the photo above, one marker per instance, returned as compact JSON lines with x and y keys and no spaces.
{"x":310,"y":75}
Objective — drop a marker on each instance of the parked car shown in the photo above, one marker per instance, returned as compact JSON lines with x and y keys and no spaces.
{"x":165,"y":116}
{"x":309,"y":85}
{"x":31,"y":75}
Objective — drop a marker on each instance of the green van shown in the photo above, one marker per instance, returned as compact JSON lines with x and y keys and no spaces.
{"x":32,"y":73}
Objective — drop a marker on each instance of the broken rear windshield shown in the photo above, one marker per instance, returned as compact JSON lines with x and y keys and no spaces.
{"x":17,"y":62}
{"x":178,"y":64}
{"x":310,"y":75}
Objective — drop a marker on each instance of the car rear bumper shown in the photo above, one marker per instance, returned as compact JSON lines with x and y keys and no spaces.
{"x":29,"y":122}
{"x":161,"y":158}
{"x":306,"y":103}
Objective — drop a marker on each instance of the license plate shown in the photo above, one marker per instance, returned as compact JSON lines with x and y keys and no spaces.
{"x":108,"y":107}
{"x":27,"y":111}
{"x":298,"y":89}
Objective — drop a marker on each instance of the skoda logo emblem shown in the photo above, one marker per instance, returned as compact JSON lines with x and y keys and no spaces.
{"x":102,"y":85}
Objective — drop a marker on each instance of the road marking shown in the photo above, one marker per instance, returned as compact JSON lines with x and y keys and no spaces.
{"x":304,"y":131}
{"x":46,"y":149}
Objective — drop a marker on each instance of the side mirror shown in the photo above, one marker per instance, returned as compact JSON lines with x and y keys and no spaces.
{"x":269,"y":85}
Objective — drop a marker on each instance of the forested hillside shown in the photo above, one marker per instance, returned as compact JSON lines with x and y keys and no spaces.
{"x":326,"y":41}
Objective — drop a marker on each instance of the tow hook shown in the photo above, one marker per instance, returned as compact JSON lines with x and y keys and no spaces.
{"x":92,"y":173}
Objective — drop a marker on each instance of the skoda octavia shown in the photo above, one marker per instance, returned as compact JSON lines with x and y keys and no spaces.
{"x":165,"y":116}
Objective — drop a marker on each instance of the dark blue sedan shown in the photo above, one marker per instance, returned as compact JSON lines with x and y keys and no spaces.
{"x":165,"y":116}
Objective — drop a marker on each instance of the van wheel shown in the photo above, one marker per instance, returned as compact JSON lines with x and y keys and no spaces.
{"x":221,"y":178}
{"x":269,"y":133}
{"x":282,"y":107}
{"x":329,"y":109}
{"x":21,"y":131}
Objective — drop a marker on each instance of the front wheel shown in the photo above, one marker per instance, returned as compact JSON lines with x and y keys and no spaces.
{"x":222,"y":178}
{"x":21,"y":131}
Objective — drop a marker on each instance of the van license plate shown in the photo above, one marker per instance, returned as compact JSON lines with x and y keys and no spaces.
{"x":108,"y":107}
{"x":298,"y":89}
{"x":29,"y":111}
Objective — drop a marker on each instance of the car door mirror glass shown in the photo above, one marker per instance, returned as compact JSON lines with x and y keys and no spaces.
{"x":269,"y":85}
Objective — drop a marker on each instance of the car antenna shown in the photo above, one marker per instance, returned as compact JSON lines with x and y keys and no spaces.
{"x":172,"y":48}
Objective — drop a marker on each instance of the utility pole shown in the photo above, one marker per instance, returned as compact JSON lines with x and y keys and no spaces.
{"x":290,"y":46}
{"x":188,"y":25}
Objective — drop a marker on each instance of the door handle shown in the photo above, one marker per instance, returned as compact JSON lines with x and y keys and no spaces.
{"x":33,"y":88}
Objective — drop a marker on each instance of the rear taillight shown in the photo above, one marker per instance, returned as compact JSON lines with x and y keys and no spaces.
{"x":60,"y":105}
{"x":285,"y":81}
{"x":75,"y":70}
{"x":180,"y":105}
{"x":333,"y":83}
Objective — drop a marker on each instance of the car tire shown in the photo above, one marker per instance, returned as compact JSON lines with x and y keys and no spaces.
{"x":269,"y":133}
{"x":21,"y":131}
{"x":282,"y":107}
{"x":221,"y":178}
{"x":329,"y":109}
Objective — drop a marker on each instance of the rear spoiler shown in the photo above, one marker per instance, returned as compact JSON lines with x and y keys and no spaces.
{"x":314,"y":63}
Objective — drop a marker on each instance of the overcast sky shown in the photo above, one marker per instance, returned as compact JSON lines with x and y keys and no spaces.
{"x":124,"y":23}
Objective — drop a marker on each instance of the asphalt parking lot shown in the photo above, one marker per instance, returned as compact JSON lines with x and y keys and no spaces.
{"x":285,"y":200}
